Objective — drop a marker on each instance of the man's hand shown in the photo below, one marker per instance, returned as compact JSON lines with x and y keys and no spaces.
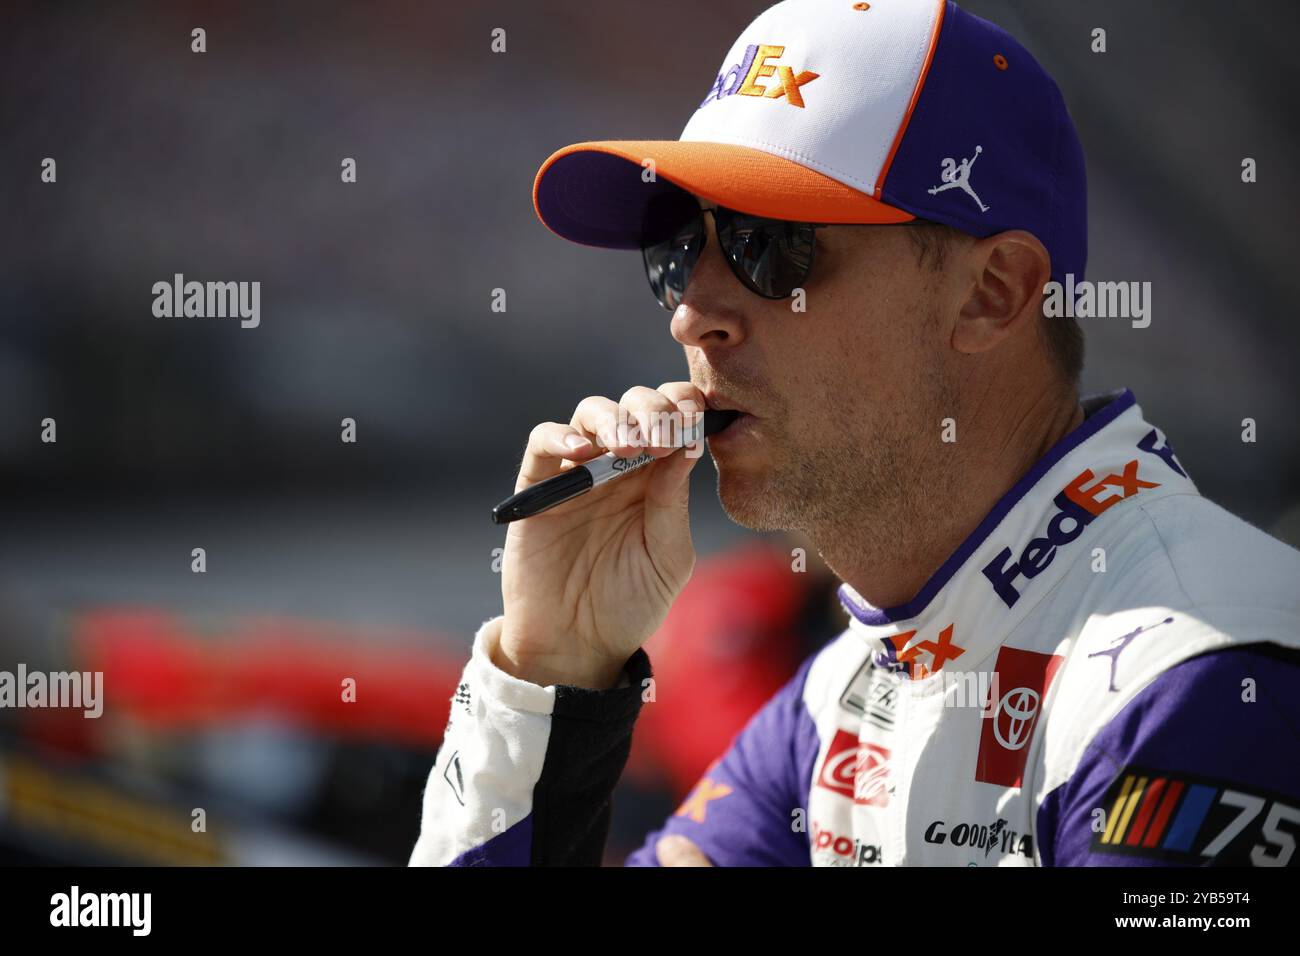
{"x":676,"y":850}
{"x":586,"y":583}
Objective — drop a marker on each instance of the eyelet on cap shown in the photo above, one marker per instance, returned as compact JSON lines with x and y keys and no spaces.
{"x":862,"y":6}
{"x":1000,"y":61}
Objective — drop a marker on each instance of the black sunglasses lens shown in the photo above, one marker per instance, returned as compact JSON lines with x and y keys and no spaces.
{"x":668,"y":262}
{"x":770,"y":256}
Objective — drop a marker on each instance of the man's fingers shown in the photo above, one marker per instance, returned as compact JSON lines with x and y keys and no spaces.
{"x":681,"y":391}
{"x":656,"y":417}
{"x":644,"y":419}
{"x":691,"y":404}
{"x":549,"y":444}
{"x":677,"y":850}
{"x":597,"y":416}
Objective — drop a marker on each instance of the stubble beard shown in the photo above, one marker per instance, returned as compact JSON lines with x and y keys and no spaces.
{"x":871,"y":486}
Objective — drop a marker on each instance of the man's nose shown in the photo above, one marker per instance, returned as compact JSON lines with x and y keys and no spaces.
{"x":711,"y":312}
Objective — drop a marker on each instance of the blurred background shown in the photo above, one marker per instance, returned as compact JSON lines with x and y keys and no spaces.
{"x":374,"y":560}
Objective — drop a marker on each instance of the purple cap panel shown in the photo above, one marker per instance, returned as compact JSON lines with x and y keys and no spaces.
{"x":990,"y":145}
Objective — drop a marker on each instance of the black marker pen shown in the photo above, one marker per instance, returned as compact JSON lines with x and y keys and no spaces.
{"x":546,"y":494}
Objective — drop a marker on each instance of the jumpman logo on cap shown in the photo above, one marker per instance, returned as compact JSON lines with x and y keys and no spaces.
{"x":957,"y":176}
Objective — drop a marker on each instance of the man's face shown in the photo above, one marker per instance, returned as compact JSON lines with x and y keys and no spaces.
{"x":844,"y":400}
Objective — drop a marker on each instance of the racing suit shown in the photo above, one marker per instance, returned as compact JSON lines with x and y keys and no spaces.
{"x":1106,"y":671}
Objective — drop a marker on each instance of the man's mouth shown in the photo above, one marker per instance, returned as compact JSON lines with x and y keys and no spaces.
{"x":723,"y":403}
{"x":716,"y":420}
{"x":741,"y":426}
{"x":741,"y":421}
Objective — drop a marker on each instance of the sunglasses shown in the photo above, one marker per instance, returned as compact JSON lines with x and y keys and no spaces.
{"x":770,"y":257}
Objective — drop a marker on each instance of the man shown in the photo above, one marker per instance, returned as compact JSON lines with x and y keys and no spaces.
{"x":1058,"y":653}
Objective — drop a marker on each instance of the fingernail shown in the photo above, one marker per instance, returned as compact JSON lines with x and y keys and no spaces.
{"x":574,"y":442}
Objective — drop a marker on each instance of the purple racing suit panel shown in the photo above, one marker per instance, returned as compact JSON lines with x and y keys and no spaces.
{"x":1198,"y":769}
{"x":750,"y":808}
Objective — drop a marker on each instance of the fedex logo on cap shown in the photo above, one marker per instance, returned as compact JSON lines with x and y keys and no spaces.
{"x":743,"y":78}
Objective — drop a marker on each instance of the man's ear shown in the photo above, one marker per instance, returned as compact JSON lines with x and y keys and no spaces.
{"x":1007,"y":275}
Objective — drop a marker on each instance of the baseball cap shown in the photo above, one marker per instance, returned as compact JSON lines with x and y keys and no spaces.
{"x":838,"y":111}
